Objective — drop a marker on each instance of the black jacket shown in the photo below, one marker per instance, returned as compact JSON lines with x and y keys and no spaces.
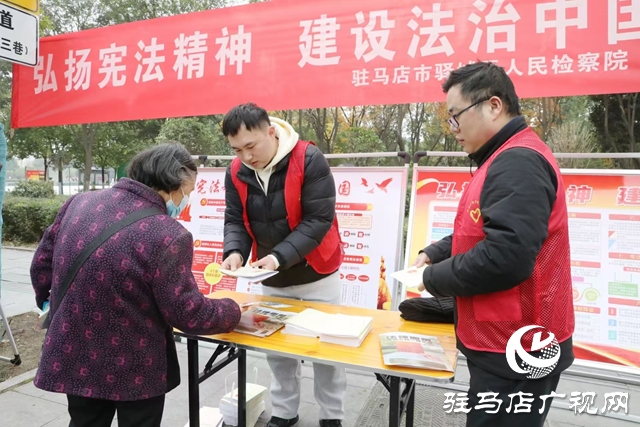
{"x":516,"y":202}
{"x":268,"y":218}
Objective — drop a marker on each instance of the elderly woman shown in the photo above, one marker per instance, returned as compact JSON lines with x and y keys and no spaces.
{"x":109,"y":346}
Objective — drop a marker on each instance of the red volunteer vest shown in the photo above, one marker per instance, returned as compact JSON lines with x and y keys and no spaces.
{"x":486,"y":322}
{"x":327,"y":257}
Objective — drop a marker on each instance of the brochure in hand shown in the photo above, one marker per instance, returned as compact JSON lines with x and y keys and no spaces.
{"x":255,"y":275}
{"x":410,"y":277}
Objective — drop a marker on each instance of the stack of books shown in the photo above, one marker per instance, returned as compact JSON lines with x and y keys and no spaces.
{"x":330,"y":328}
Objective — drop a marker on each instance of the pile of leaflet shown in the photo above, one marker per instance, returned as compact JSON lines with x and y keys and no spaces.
{"x":330,"y":328}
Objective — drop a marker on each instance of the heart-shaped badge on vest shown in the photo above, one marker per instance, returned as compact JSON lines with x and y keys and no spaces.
{"x":475,"y":215}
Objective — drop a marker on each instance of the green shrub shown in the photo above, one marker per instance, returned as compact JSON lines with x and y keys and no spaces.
{"x":26,"y":219}
{"x":34,"y":189}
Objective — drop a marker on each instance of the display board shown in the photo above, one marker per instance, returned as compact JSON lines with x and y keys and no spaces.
{"x":370,"y":204}
{"x":604,"y":232}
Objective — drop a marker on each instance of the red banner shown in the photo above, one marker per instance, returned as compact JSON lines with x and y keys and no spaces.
{"x":306,"y":54}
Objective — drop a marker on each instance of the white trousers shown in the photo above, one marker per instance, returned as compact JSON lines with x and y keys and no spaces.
{"x":330,"y":382}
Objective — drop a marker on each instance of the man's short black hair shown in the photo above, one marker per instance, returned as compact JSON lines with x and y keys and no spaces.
{"x":165,"y":167}
{"x":250,"y":114}
{"x":482,"y":80}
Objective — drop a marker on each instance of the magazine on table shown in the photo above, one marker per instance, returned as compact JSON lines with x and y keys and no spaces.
{"x":262,"y":321}
{"x":414,"y":351}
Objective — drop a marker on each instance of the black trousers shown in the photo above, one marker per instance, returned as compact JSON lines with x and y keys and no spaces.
{"x":87,"y":412}
{"x":483,"y":381}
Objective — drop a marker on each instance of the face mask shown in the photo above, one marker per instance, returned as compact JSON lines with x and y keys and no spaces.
{"x":174,"y":211}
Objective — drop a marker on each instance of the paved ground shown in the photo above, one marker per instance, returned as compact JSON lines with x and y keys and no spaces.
{"x":26,"y":406}
{"x":15,"y":289}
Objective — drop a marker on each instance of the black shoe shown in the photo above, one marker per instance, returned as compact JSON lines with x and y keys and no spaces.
{"x":330,"y":423}
{"x":280,"y":422}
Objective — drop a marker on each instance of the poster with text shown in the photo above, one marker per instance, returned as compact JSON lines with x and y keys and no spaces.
{"x":604,"y":233}
{"x":370,"y":209}
{"x":370,"y":212}
{"x":204,"y":218}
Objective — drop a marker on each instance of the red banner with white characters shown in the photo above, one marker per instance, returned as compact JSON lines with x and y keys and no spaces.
{"x":604,"y":233}
{"x":312,"y":54}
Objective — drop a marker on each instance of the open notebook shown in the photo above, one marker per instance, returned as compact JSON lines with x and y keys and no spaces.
{"x":331,"y":328}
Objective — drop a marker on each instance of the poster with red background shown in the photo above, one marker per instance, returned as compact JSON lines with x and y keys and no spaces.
{"x":289,"y":55}
{"x":604,"y":232}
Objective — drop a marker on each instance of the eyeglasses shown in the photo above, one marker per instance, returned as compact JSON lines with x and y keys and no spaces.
{"x":453,"y":120}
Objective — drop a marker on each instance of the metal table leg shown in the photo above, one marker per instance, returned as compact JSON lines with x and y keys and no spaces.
{"x":242,"y":387}
{"x":395,"y":411}
{"x":194,"y":382}
{"x":411,"y":403}
{"x":400,"y":400}
{"x":16,"y":359}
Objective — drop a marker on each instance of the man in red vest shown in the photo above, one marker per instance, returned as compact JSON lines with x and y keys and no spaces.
{"x":280,"y":197}
{"x":508,"y":262}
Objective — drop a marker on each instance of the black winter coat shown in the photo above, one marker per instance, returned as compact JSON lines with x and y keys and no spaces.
{"x":268,"y":218}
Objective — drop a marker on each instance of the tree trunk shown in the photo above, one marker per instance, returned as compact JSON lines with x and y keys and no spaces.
{"x":629,"y":119}
{"x":60,"y":179}
{"x":334,"y":131}
{"x":319,"y":124}
{"x":323,"y":130}
{"x":88,"y":161}
{"x":607,"y":135}
{"x":384,"y":132}
{"x":632,"y":135}
{"x":545,"y":118}
{"x":416,"y":126}
{"x":402,"y":110}
{"x":103,"y":177}
{"x":632,"y":123}
{"x":363,"y":113}
{"x":46,"y":170}
{"x":300,"y":131}
{"x":550,"y":114}
{"x":88,"y":137}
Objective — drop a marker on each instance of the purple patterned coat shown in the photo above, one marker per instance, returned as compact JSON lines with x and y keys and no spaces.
{"x":111,"y":338}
